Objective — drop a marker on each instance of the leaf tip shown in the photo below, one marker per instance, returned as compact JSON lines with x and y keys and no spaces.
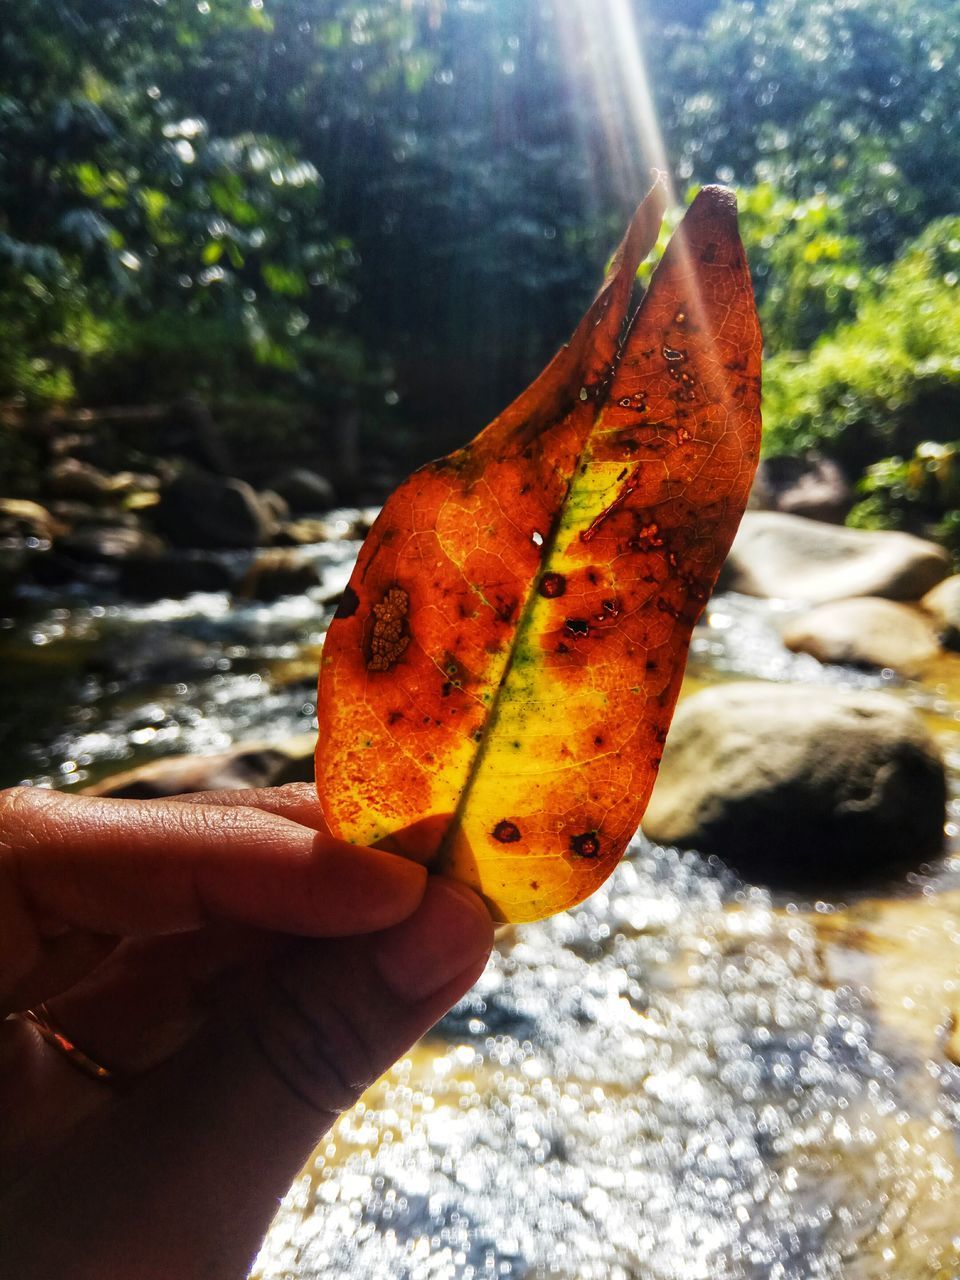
{"x":717,"y":202}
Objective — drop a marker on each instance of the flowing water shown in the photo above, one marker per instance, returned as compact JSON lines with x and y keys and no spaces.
{"x":682,"y":1079}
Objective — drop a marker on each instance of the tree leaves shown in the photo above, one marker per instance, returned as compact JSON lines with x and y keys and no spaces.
{"x":497,"y":685}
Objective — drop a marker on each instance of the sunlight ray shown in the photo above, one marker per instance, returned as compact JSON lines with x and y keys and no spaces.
{"x":603,"y":51}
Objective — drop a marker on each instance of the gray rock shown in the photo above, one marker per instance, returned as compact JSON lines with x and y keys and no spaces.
{"x":190,"y":432}
{"x":810,"y":790}
{"x":810,"y":486}
{"x":787,"y":556}
{"x":20,"y":518}
{"x":303,"y":532}
{"x":943,"y":606}
{"x":71,"y":478}
{"x":279,"y":573}
{"x":246,"y":765}
{"x":201,"y":510}
{"x":866,"y":632}
{"x":176,"y":574}
{"x":70,"y":512}
{"x":108,"y":543}
{"x":306,"y":492}
{"x":278,"y":507}
{"x":332,"y":528}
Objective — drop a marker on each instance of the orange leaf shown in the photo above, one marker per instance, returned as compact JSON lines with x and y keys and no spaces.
{"x":498,"y":682}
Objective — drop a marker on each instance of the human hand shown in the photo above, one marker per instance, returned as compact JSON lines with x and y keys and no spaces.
{"x":244,"y":974}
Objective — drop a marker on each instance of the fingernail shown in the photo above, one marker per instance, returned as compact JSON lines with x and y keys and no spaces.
{"x":449,"y":933}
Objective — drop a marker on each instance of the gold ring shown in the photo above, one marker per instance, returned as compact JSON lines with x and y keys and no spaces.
{"x":41,"y":1018}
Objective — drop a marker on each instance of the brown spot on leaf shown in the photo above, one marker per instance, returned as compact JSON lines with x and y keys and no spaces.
{"x":552,"y":585}
{"x":586,"y":845}
{"x":506,"y":832}
{"x":389,"y":638}
{"x":349,"y":604}
{"x":647,"y":538}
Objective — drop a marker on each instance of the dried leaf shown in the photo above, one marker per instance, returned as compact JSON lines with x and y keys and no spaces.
{"x":497,"y":685}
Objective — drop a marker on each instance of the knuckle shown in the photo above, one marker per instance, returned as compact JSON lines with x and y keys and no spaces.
{"x":317,"y":1053}
{"x":14,"y":801}
{"x":21,"y":816}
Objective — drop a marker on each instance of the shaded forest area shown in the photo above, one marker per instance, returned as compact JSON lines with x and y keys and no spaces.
{"x":357,"y":229}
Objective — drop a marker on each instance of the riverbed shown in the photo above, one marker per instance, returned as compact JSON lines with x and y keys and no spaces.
{"x":685,"y":1078}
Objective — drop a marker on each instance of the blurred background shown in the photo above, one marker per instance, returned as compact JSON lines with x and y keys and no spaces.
{"x":259,"y":259}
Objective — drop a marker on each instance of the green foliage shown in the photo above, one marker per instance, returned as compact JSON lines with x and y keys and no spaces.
{"x":886,"y":380}
{"x":850,"y":97}
{"x":343,"y":201}
{"x":807,"y":268}
{"x":143,"y":222}
{"x":920,"y":493}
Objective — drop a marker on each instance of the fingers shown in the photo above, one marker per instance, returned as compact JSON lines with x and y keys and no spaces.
{"x":129,"y":867}
{"x":154,"y":994}
{"x":333,"y":1016}
{"x":59,"y":963}
{"x":296,"y":801}
{"x":228,"y":1123}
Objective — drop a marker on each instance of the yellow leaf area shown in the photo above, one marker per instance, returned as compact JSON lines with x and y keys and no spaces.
{"x":497,"y":686}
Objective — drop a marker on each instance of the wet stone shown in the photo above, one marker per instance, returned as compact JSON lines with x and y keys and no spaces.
{"x":841,"y":790}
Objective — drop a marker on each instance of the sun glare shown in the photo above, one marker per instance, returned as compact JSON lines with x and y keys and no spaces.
{"x":603,"y":50}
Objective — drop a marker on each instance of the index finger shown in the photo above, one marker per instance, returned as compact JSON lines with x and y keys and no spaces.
{"x":135,"y":867}
{"x":294,"y":800}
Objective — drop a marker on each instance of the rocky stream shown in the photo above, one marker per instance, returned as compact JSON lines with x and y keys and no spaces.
{"x":692,"y":1076}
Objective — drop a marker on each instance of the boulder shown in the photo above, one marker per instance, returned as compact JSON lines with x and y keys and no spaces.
{"x":127,"y":483}
{"x":246,"y":765}
{"x":810,"y":486}
{"x":306,"y":492}
{"x":20,"y":518}
{"x":277,"y":506}
{"x":71,"y":478}
{"x":810,"y":790}
{"x":279,"y":573}
{"x":866,"y":632}
{"x":71,"y":512}
{"x":787,"y":556}
{"x":943,"y":606}
{"x":344,"y":526}
{"x":301,"y":533}
{"x":206,"y":511}
{"x":189,"y":431}
{"x":175,"y":574}
{"x":109,"y":543}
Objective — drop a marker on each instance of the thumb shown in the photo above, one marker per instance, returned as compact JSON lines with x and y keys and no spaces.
{"x":334,"y":1015}
{"x":183,"y":1174}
